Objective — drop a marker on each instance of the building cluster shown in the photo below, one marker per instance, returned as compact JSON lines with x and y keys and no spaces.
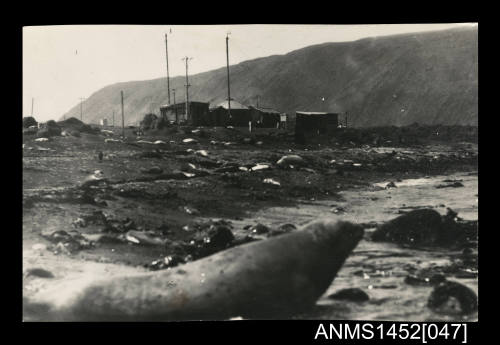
{"x":239,"y":115}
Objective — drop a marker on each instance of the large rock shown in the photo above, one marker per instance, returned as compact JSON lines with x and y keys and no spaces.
{"x":426,"y":227}
{"x":418,"y":227}
{"x":452,"y":298}
{"x":350,"y":294}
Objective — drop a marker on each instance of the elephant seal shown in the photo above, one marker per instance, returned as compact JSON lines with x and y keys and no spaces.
{"x":263,"y":279}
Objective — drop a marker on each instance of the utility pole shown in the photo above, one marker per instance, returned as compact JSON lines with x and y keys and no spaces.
{"x":168,"y":76}
{"x":123,"y":117}
{"x":32,"y":104}
{"x":187,"y":87}
{"x":81,"y":108}
{"x":113,"y":119}
{"x":228,"y":85}
{"x":258,"y":97}
{"x":175,"y":108}
{"x":346,"y":119}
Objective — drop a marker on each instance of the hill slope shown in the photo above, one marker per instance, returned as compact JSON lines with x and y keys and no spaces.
{"x":428,"y":78}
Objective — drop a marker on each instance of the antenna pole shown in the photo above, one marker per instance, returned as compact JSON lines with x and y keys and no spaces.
{"x":175,"y":108}
{"x":187,"y":88}
{"x":168,"y":76}
{"x":123,"y":117}
{"x":228,"y":84}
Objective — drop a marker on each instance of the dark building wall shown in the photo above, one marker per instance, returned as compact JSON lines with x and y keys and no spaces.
{"x":198,"y":113}
{"x":220,"y":117}
{"x":264,"y":119}
{"x":313,"y":125}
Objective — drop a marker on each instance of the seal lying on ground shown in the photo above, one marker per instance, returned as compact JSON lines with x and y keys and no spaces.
{"x":273,"y":277}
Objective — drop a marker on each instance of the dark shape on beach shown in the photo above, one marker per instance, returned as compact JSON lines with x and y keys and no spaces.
{"x":350,"y":294}
{"x":426,"y":227}
{"x":39,"y":272}
{"x":452,"y":298}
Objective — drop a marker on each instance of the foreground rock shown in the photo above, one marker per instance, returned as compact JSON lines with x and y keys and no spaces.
{"x":277,"y":276}
{"x":452,"y":298}
{"x":426,"y":227}
{"x":352,"y":294}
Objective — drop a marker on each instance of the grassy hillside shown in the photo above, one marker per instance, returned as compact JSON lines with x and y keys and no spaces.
{"x":429,"y":78}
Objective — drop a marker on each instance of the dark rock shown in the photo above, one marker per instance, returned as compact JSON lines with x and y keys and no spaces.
{"x":282,"y":229}
{"x":452,"y":298}
{"x":350,"y":294}
{"x":243,"y":240}
{"x":467,"y":251}
{"x":259,"y":229}
{"x":39,"y":272}
{"x":417,"y":227}
{"x":390,"y":185}
{"x":452,"y":185}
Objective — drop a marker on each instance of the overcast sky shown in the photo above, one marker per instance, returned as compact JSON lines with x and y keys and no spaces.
{"x":63,"y":63}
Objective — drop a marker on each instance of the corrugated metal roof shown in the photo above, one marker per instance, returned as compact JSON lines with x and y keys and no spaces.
{"x":234,"y":105}
{"x":265,"y":110}
{"x":179,"y":103}
{"x":312,"y":113}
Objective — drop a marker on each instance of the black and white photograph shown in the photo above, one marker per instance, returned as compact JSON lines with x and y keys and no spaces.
{"x":233,"y":172}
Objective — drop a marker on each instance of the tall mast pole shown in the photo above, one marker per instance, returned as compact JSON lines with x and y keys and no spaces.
{"x":123,"y":117}
{"x":175,"y":108}
{"x":187,"y":88}
{"x":168,"y":76}
{"x":228,"y":85}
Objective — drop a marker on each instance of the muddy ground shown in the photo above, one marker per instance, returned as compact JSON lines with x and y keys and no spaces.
{"x":154,"y":194}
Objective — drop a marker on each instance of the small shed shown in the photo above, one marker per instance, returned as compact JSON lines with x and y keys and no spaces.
{"x":198,"y":113}
{"x":265,"y":117}
{"x":314,"y":124}
{"x":104,"y":122}
{"x":240,"y":115}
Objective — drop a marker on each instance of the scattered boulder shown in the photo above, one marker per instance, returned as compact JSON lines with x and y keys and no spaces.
{"x":390,"y":185}
{"x":455,"y":184}
{"x":39,"y":272}
{"x":152,"y":170}
{"x":259,"y":229}
{"x":417,"y":227}
{"x":271,"y":181}
{"x":42,"y":140}
{"x":282,"y":229}
{"x":350,"y":294}
{"x":294,"y":160}
{"x":145,"y":238}
{"x":452,"y":298}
